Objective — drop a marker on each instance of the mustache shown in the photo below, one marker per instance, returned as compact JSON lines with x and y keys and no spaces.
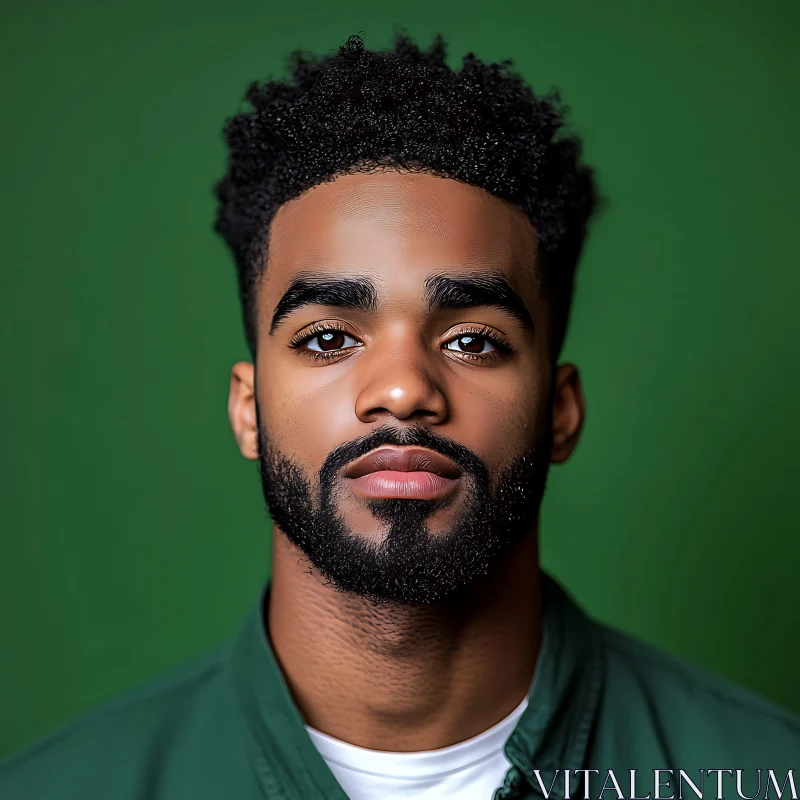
{"x":417,"y":436}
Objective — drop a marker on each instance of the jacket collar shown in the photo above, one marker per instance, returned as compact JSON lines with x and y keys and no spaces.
{"x":552,"y":733}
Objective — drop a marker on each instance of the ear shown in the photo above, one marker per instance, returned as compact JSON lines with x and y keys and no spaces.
{"x":242,"y":408}
{"x":569,"y":412}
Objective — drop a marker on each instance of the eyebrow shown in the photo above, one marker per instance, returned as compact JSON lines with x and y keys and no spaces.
{"x":441,"y":292}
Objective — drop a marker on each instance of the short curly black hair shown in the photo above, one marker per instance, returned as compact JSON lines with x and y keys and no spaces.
{"x":357,"y":110}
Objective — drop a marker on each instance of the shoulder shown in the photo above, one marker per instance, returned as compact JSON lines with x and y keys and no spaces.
{"x":695,"y":714}
{"x":116,"y":744}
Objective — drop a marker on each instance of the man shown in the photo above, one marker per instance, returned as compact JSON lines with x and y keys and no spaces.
{"x":406,"y":238}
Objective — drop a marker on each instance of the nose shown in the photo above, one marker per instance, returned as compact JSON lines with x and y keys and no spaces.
{"x":404,"y":380}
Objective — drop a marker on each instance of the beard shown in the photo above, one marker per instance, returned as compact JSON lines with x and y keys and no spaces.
{"x":409,"y":565}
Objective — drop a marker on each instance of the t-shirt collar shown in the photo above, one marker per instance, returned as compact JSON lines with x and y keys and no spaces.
{"x":552,"y":733}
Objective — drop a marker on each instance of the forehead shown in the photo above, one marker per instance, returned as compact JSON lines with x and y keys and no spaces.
{"x":397,"y":226}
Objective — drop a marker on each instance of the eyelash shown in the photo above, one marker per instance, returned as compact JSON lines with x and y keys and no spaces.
{"x":297,"y":342}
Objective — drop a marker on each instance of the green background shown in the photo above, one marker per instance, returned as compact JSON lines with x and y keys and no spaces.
{"x":135,"y":535}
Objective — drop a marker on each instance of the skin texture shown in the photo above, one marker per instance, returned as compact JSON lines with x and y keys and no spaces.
{"x":393,"y":676}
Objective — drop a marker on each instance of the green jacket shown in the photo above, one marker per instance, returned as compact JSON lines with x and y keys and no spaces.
{"x":224,"y":727}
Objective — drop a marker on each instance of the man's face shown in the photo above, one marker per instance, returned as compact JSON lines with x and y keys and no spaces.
{"x":401,"y":312}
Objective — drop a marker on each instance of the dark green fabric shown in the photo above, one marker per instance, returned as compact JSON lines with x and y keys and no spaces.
{"x":224,"y":726}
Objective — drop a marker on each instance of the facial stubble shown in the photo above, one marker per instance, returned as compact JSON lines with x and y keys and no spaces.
{"x":409,"y":564}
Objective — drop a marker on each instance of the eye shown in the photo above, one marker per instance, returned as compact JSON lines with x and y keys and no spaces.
{"x":472,"y":344}
{"x":326,"y":341}
{"x":480,"y":344}
{"x":330,"y":340}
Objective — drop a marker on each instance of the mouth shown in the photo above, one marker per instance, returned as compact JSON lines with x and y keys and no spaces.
{"x":407,"y":472}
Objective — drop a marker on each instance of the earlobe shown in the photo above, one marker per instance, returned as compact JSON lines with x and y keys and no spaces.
{"x":569,"y":412}
{"x":242,"y":408}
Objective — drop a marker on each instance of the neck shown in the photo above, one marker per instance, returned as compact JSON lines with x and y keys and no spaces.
{"x":400,"y":678}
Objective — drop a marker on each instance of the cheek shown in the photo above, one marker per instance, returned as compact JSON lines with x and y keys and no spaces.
{"x":305,"y":421}
{"x":529,"y":398}
{"x":502,"y":420}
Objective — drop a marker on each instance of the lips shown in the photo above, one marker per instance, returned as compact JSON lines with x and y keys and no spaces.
{"x":403,"y":459}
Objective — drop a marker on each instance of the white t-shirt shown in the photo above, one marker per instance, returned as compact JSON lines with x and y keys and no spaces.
{"x":469,"y":770}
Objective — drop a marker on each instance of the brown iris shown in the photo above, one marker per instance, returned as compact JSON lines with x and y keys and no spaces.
{"x":470,"y":341}
{"x":331,"y":340}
